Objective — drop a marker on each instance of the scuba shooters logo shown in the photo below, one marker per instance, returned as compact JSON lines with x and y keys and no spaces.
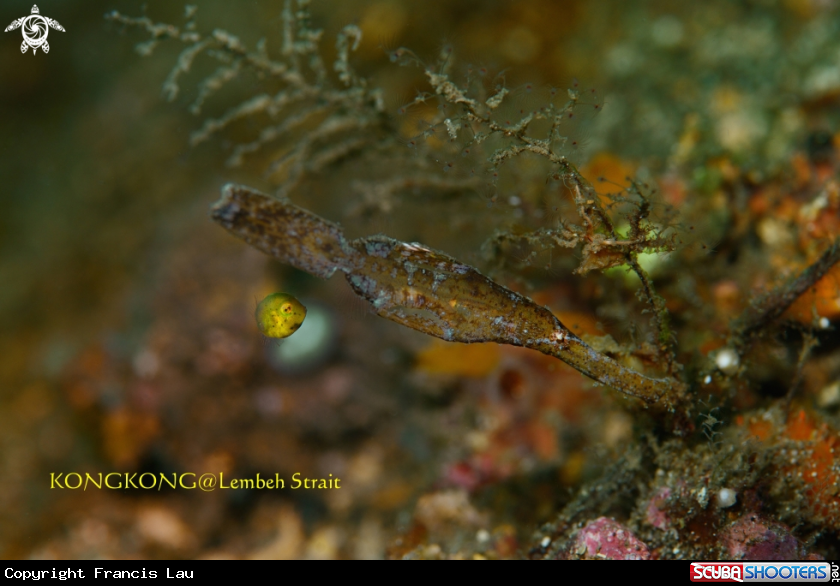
{"x":763,"y":572}
{"x":35,"y":29}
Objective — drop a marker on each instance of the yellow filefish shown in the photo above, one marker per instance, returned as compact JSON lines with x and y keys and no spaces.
{"x":280,"y":315}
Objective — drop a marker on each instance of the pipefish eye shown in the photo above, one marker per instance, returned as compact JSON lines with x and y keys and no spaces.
{"x":280,"y":315}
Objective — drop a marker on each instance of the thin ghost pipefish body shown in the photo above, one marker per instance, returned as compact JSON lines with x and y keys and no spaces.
{"x":424,"y":289}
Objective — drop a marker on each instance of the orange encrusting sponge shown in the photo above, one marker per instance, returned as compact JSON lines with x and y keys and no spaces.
{"x":823,"y":297}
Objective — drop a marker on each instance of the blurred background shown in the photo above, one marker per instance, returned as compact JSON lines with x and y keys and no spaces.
{"x":127,"y":336}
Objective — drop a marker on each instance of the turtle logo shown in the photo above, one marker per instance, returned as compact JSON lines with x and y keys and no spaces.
{"x":35,"y":29}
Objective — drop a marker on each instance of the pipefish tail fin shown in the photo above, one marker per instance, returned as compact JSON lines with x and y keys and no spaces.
{"x":289,"y":233}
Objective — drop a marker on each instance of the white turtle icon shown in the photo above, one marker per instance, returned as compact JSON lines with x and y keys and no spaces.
{"x":35,"y":29}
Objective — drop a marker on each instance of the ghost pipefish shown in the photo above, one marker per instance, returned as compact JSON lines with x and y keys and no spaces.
{"x":424,"y":289}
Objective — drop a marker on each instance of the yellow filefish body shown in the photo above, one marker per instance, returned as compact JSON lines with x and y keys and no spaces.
{"x":280,"y":315}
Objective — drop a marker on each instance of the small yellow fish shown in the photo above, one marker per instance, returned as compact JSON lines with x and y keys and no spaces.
{"x":280,"y":315}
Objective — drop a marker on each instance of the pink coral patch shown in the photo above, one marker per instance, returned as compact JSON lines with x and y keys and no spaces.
{"x":606,"y":539}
